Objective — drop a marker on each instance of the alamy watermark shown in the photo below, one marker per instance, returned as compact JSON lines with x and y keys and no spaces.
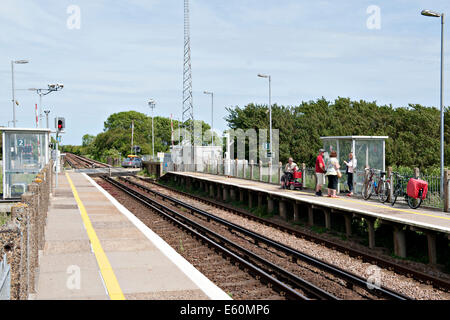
{"x":374,"y":20}
{"x":74,"y":19}
{"x":374,"y":277}
{"x":236,"y":143}
{"x":74,"y":279}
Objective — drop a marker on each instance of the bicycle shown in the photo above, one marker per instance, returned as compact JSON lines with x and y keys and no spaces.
{"x":382,"y":188}
{"x":399,"y":191}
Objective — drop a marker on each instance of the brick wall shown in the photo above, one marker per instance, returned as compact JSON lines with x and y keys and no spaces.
{"x":23,"y":235}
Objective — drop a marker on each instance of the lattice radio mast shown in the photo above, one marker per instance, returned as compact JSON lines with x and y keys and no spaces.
{"x":188,"y":107}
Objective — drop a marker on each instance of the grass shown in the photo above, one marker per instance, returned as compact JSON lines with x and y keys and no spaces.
{"x":181,"y":245}
{"x":261,"y":212}
{"x":319,"y":229}
{"x":144,"y":173}
{"x":3,"y":219}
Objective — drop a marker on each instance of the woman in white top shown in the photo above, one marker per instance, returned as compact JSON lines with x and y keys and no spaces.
{"x":351,"y":167}
{"x":332,"y":174}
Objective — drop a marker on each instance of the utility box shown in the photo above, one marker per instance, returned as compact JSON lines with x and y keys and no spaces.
{"x":25,"y":153}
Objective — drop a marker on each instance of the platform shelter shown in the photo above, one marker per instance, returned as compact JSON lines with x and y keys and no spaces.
{"x":369,"y":151}
{"x":25,"y":152}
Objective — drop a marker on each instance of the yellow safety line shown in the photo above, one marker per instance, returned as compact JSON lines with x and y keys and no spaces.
{"x":384,"y":207}
{"x":112,"y":285}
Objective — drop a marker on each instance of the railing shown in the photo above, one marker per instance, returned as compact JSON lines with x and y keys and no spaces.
{"x":272,"y":174}
{"x":433,"y":198}
{"x":5,"y":279}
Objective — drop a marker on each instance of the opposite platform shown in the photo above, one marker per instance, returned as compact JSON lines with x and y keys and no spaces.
{"x":421,"y":218}
{"x":96,"y":249}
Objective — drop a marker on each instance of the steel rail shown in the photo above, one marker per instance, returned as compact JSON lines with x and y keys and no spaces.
{"x":350,"y":277}
{"x":88,"y":161}
{"x":202,"y":233}
{"x":383,"y":263}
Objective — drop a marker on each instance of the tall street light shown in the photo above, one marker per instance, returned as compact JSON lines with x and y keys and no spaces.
{"x":270,"y":109}
{"x":212,"y":115}
{"x":13,"y":62}
{"x":434,"y":14}
{"x":46,"y":116}
{"x":43,"y":92}
{"x":152,"y":105}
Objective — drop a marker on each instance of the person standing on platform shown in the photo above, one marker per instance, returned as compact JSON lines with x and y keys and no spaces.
{"x":351,"y":168}
{"x":332,"y":174}
{"x":320,"y":172}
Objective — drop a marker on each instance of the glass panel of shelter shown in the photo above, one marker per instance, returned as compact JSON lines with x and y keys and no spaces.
{"x":25,"y":157}
{"x":368,"y":152}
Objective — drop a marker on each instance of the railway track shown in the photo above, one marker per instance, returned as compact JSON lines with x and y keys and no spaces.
{"x":79,"y":162}
{"x":437,"y":282}
{"x":290,"y":272}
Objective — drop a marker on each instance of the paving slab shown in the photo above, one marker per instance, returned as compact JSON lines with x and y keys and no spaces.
{"x":168,"y":295}
{"x":59,"y":285}
{"x":153,"y":279}
{"x":66,"y":246}
{"x":62,"y":262}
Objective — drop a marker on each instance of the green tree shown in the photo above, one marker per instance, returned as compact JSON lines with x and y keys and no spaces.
{"x":87,"y":140}
{"x":413,"y":131}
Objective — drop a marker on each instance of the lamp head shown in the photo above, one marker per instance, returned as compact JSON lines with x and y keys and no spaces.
{"x":430,"y":13}
{"x":21,"y":61}
{"x":262,"y":75}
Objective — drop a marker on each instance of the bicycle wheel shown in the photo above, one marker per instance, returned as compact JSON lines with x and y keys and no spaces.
{"x":395,"y":199}
{"x":367,"y":191}
{"x":396,"y":192}
{"x":385,"y":190}
{"x":414,"y":203}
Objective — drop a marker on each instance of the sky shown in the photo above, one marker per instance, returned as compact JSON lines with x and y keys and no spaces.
{"x":126,"y":52}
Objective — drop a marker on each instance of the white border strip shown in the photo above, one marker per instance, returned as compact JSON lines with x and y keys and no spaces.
{"x":206,"y":285}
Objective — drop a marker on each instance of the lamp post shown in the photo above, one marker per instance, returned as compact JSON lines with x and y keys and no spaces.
{"x":434,"y":14}
{"x":270,"y":109}
{"x":43,"y":92}
{"x":152,"y":105}
{"x":46,"y":116}
{"x":212,"y":115}
{"x":13,"y":62}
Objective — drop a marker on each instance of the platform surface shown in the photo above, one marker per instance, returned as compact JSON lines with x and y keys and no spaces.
{"x":420,"y":218}
{"x":96,"y":249}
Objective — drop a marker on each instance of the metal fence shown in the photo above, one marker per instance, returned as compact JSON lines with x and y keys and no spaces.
{"x":5,"y":279}
{"x":272,"y":174}
{"x":433,"y":198}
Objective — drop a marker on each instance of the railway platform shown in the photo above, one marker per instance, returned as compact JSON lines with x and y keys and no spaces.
{"x":96,"y":249}
{"x":291,"y":205}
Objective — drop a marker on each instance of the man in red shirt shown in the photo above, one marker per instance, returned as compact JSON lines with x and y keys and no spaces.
{"x":320,"y":172}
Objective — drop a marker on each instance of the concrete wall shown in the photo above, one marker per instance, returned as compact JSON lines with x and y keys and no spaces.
{"x":22,"y":236}
{"x":154,"y":168}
